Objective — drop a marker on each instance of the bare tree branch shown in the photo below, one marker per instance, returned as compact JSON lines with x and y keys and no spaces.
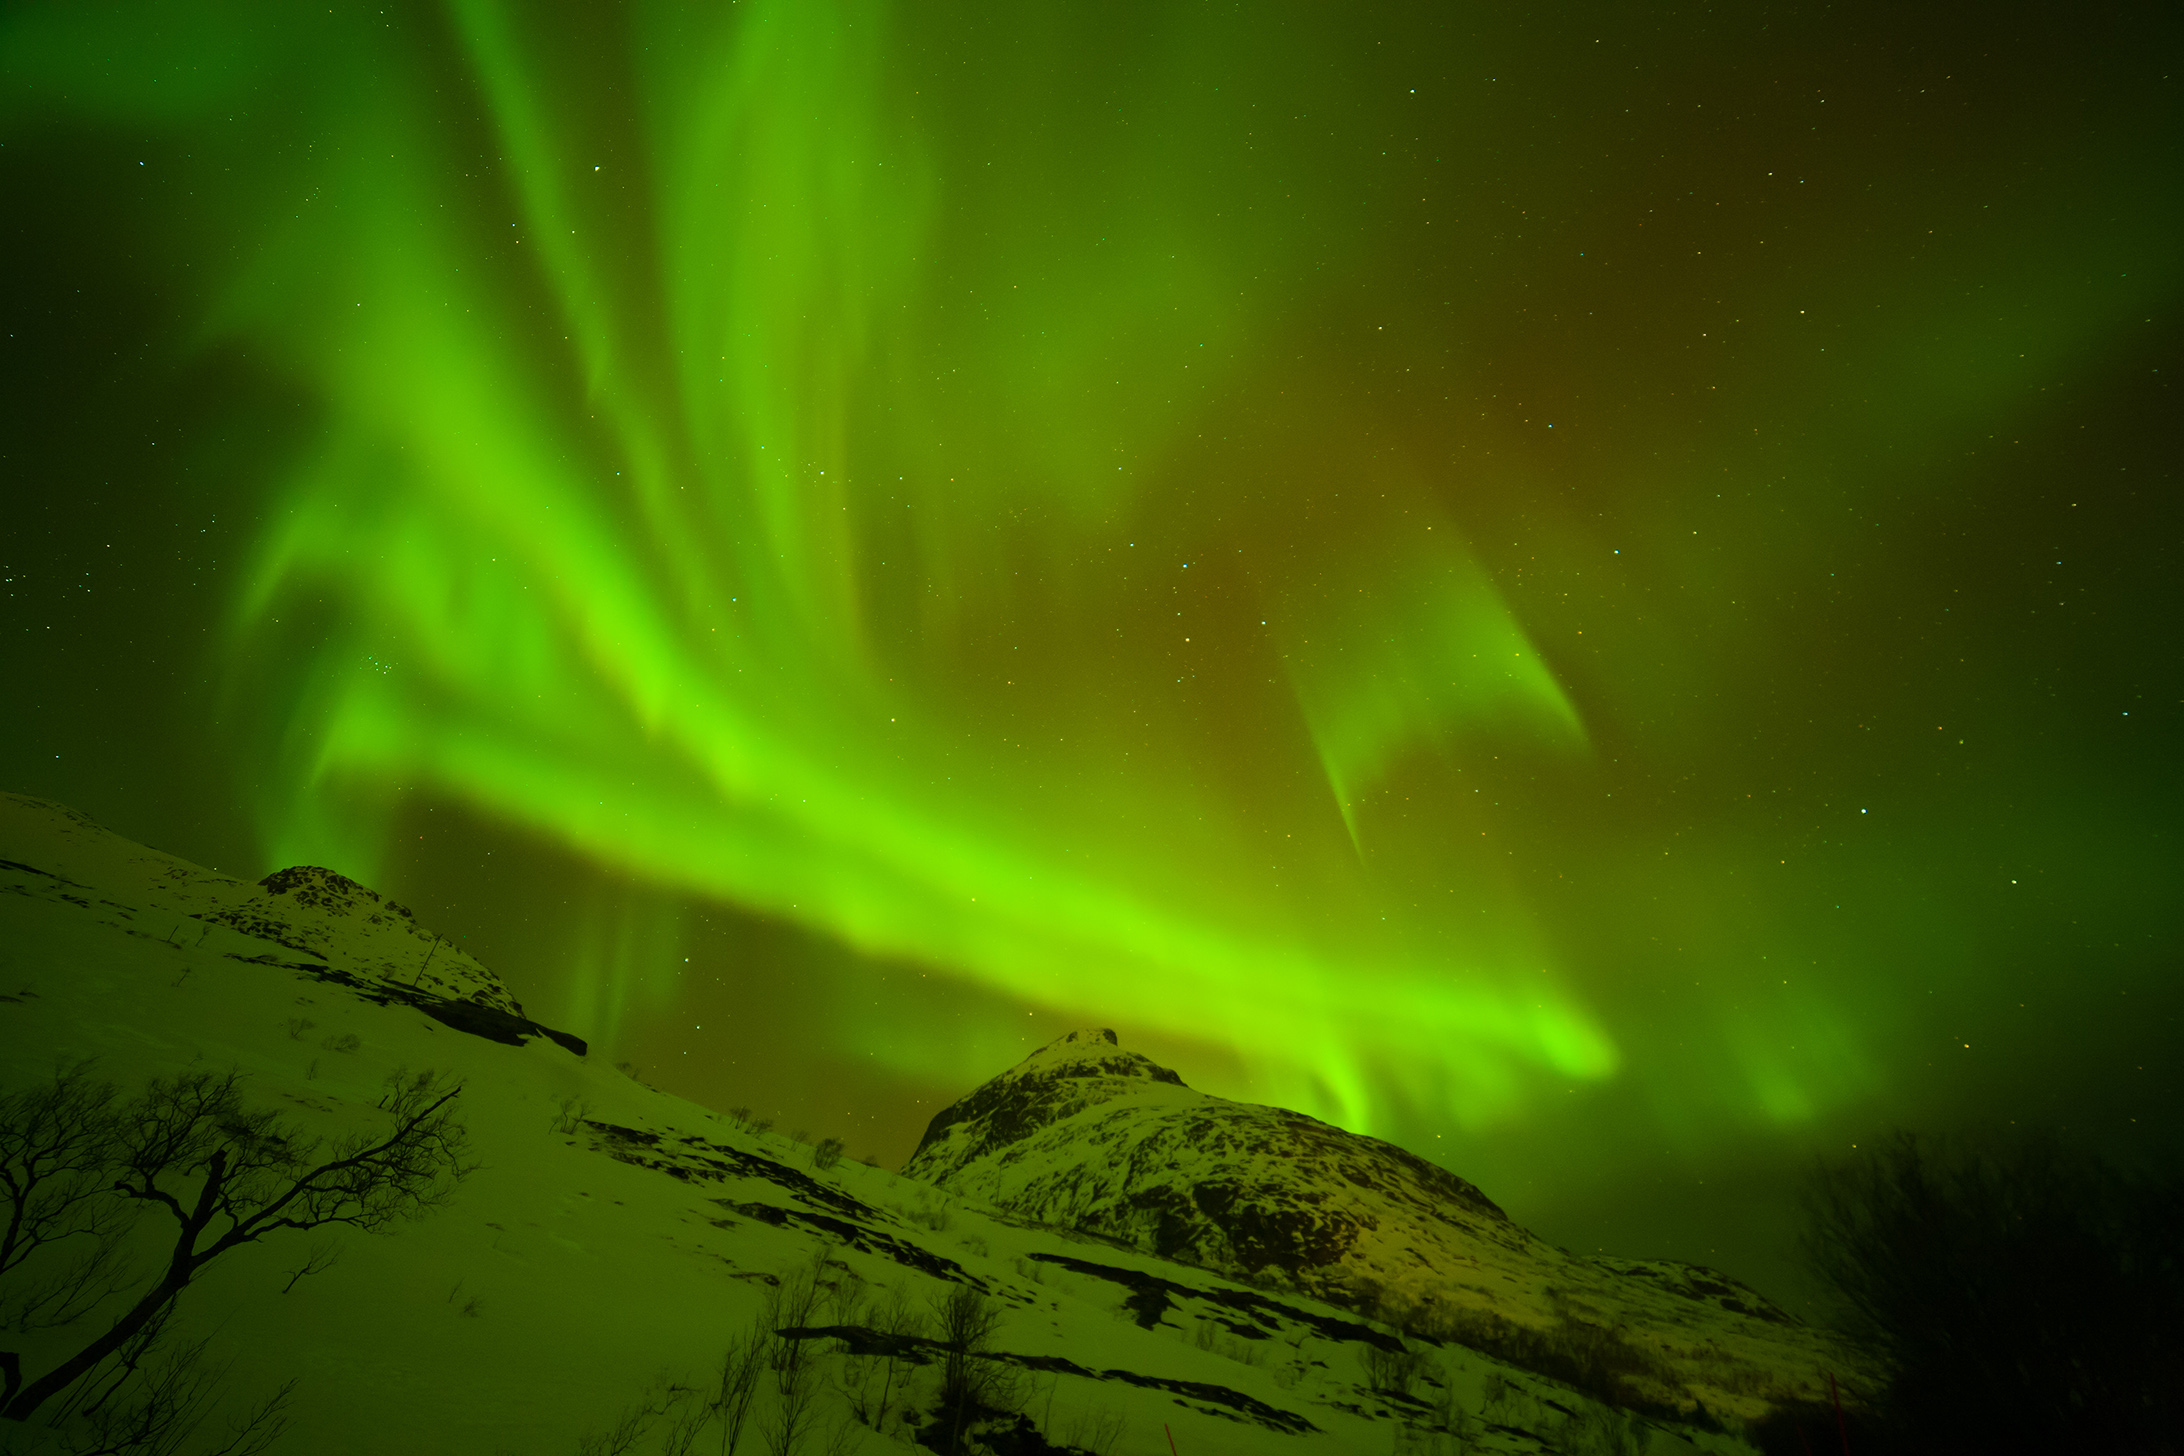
{"x":252,"y":1174}
{"x":56,"y":1144}
{"x":322,"y":1257}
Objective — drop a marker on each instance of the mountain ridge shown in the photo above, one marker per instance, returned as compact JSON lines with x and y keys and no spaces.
{"x":613,"y":1235}
{"x":347,"y":932}
{"x":1086,"y":1135}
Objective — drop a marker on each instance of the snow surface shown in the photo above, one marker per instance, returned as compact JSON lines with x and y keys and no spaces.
{"x":616,"y":1236}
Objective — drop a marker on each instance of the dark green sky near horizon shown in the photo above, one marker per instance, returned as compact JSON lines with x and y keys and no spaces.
{"x":1589,"y":590}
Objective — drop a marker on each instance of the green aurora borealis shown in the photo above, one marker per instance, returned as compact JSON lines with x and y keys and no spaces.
{"x":1589,"y":592}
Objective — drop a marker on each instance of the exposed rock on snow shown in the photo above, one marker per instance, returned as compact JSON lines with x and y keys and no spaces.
{"x":1089,"y":1136}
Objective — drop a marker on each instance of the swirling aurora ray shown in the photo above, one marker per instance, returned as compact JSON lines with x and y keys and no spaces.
{"x":1381,"y":544}
{"x":594,"y":536}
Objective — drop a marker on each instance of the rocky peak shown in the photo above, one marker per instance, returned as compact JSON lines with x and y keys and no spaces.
{"x":323,"y":889}
{"x":1093,"y":1052}
{"x":1074,"y":1071}
{"x":1085,"y":1135}
{"x":306,"y":910}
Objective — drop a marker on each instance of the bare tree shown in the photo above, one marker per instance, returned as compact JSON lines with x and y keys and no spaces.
{"x":740,"y":1365}
{"x":966,"y":1320}
{"x":792,"y":1305}
{"x":1392,"y":1372}
{"x":229,"y":1175}
{"x":1095,"y":1430}
{"x":570,"y":1113}
{"x":324,"y":1254}
{"x":681,"y":1436}
{"x":661,"y":1399}
{"x":796,"y":1409}
{"x":56,"y":1146}
{"x":896,"y":1319}
{"x":845,"y":1302}
{"x":844,"y":1437}
{"x":155,"y":1396}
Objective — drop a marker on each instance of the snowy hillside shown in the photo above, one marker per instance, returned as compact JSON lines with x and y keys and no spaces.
{"x":358,"y":937}
{"x":1085,"y":1135}
{"x":613,"y":1241}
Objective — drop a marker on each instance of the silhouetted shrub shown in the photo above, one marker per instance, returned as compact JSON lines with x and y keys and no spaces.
{"x":826,"y":1153}
{"x":1600,"y":1362}
{"x":1392,"y":1372}
{"x":1095,"y":1431}
{"x":570,"y":1113}
{"x":972,"y":1385}
{"x":894,"y":1318}
{"x":1812,"y":1428}
{"x":2023,"y":1297}
{"x":1601,"y":1433}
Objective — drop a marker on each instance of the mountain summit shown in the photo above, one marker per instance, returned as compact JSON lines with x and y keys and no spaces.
{"x":305,"y":918}
{"x":1089,"y":1136}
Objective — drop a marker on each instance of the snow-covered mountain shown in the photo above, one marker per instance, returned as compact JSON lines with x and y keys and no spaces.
{"x":352,"y":934}
{"x":1083,"y":1134}
{"x":577,"y":1292}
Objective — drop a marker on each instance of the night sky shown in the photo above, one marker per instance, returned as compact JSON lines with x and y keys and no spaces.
{"x":1592,"y":590}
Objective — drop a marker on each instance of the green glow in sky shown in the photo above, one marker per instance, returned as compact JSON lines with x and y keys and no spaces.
{"x":1487,"y":575}
{"x":608,"y":554}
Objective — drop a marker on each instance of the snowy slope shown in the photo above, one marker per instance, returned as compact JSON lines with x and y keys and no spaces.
{"x":616,"y":1238}
{"x":305,"y":911}
{"x":1086,"y":1135}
